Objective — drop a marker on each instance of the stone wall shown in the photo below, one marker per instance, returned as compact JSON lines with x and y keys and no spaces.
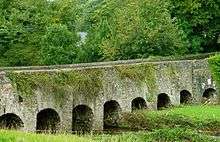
{"x":121,"y":82}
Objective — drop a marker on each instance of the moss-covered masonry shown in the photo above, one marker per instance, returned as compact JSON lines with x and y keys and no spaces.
{"x":64,"y":87}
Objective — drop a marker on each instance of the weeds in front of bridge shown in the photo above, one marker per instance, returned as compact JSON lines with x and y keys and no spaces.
{"x":163,"y":135}
{"x":14,"y":136}
{"x":61,"y":84}
{"x":177,"y":124}
{"x":204,"y":118}
{"x":160,"y":135}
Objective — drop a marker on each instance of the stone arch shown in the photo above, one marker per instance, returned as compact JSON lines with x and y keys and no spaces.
{"x":48,"y":120}
{"x":111,"y":114}
{"x":138,"y":103}
{"x":163,"y":101}
{"x":209,"y":93}
{"x":11,"y":121}
{"x":82,"y":119}
{"x":185,"y":97}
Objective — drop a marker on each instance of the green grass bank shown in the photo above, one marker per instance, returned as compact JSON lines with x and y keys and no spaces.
{"x":182,"y":124}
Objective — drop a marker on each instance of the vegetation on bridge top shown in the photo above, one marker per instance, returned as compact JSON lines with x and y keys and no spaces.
{"x":58,"y":84}
{"x":87,"y":81}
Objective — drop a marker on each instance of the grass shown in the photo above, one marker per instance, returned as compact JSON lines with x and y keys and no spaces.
{"x":204,"y":118}
{"x":201,"y":113}
{"x":15,"y":136}
{"x":182,"y":124}
{"x":161,"y":135}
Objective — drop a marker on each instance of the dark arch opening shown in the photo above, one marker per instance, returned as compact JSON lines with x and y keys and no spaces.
{"x":138,"y":103}
{"x":11,"y":121}
{"x":185,"y":97}
{"x":209,"y":93}
{"x":111,"y":115}
{"x":82,"y":119}
{"x":48,"y":121}
{"x":20,"y":99}
{"x":163,"y":101}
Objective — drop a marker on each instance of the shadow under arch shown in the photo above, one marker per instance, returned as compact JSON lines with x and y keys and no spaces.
{"x":209,"y":96}
{"x":11,"y":121}
{"x":111,"y":115}
{"x":138,"y":104}
{"x":82,"y":119}
{"x":163,"y":101}
{"x":48,"y":121}
{"x":185,"y":97}
{"x":209,"y":93}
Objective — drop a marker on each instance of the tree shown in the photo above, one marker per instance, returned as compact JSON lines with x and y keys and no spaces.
{"x":199,"y":19}
{"x":24,"y":23}
{"x":133,"y":29}
{"x":57,"y":45}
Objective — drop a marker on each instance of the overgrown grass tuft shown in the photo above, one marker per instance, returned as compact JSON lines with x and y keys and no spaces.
{"x":14,"y":136}
{"x":205,"y":118}
{"x":161,"y":135}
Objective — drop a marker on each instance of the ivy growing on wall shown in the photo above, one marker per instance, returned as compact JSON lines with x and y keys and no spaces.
{"x":140,"y":73}
{"x":59,"y":84}
{"x":214,"y":64}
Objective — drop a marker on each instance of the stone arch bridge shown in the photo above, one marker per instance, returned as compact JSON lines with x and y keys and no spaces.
{"x":87,"y":97}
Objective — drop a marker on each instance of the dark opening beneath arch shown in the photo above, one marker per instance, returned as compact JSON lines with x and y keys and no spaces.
{"x":209,"y":93}
{"x":20,"y":99}
{"x":48,"y":121}
{"x":111,"y":114}
{"x":163,"y":101}
{"x":138,"y":103}
{"x":185,"y":97}
{"x":11,"y":121}
{"x":82,"y":119}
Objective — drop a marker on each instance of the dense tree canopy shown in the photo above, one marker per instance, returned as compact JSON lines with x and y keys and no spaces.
{"x":34,"y":32}
{"x":44,"y":32}
{"x":200,"y":20}
{"x":134,"y":29}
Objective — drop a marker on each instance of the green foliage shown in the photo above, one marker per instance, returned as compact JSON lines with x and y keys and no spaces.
{"x":44,"y":32}
{"x":134,"y":29}
{"x":57,"y":45}
{"x":24,"y":23}
{"x":214,"y":64}
{"x":199,"y":20}
{"x":59,"y":84}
